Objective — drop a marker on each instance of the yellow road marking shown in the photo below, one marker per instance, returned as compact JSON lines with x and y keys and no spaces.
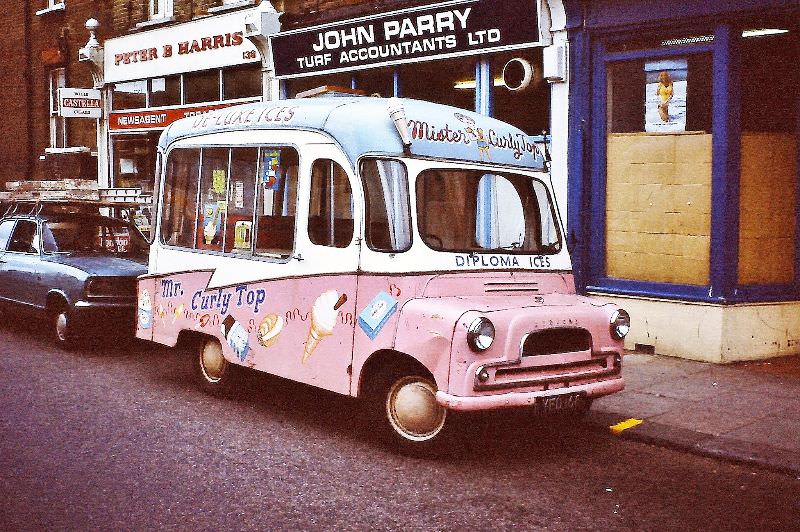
{"x":624,"y":425}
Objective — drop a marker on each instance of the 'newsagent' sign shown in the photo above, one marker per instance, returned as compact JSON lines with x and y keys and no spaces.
{"x":452,"y":29}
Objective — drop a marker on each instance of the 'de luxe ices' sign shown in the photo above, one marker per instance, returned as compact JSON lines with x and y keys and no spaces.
{"x":451,"y":29}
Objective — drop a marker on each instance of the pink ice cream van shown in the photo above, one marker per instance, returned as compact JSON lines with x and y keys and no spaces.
{"x":399,"y":251}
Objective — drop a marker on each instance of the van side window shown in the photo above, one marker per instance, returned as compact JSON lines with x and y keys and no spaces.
{"x":388,"y":223}
{"x":241,"y":200}
{"x":277,"y":198}
{"x":330,"y":220}
{"x":213,"y":200}
{"x":180,"y":197}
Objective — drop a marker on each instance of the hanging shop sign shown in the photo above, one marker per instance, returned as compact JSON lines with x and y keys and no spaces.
{"x":79,"y":103}
{"x":211,"y":42}
{"x":158,"y":119}
{"x":444,"y":30}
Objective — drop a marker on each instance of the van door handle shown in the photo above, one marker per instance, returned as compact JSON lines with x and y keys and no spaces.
{"x":297,"y":257}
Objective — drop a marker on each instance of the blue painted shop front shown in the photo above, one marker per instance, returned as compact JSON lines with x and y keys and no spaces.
{"x":683,"y":169}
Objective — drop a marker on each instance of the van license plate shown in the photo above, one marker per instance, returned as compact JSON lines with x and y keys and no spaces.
{"x":559,"y":403}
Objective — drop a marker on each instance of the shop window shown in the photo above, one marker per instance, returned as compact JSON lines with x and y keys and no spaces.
{"x":129,"y":95}
{"x":769,"y":173}
{"x":447,"y":81}
{"x":241,"y":82}
{"x":213,"y":199}
{"x":58,"y":126}
{"x":378,"y":81}
{"x":201,"y":87}
{"x":160,"y":9}
{"x":241,"y":200}
{"x":528,"y":108}
{"x":133,"y":160}
{"x":330,"y":219}
{"x":388,"y":223}
{"x":179,"y":212}
{"x":658,"y":169}
{"x":165,"y":91}
{"x":277,"y":197}
{"x":293,"y":87}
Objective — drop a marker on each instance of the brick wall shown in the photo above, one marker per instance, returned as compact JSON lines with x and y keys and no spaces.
{"x":128,"y":13}
{"x":56,"y":38}
{"x":14,"y":149}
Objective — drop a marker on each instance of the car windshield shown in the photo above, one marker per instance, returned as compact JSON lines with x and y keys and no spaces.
{"x":93,"y":236}
{"x":465,"y":210}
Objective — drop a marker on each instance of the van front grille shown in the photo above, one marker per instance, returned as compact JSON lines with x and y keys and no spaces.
{"x":558,"y":340}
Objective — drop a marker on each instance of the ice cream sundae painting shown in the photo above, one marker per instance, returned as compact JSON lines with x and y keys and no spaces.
{"x":324,"y":314}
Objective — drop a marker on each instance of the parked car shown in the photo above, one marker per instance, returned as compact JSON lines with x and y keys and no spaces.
{"x":75,"y":269}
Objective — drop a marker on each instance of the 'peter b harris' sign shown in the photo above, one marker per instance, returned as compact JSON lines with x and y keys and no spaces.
{"x":444,"y":30}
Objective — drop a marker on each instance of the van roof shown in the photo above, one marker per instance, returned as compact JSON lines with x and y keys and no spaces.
{"x":362,"y":125}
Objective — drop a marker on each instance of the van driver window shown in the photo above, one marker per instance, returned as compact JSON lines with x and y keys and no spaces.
{"x":277,"y":197}
{"x":330,"y":220}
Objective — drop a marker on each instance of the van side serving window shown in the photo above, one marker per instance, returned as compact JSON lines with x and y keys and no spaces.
{"x":225,"y":200}
{"x":388,"y":217}
{"x":330,"y":221}
{"x":277,"y":198}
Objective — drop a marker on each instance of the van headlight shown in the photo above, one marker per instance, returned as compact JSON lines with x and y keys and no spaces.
{"x":620,"y":324}
{"x":480,"y":334}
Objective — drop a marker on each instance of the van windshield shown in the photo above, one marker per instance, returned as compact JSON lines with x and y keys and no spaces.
{"x":463,"y":210}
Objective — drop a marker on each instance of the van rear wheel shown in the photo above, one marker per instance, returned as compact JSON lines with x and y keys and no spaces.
{"x":405,"y":408}
{"x":213,"y":373}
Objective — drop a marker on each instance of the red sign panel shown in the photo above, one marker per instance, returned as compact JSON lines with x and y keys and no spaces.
{"x":124,"y":120}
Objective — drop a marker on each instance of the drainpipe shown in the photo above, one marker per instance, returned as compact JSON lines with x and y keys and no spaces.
{"x":258,"y":26}
{"x":26,"y":43}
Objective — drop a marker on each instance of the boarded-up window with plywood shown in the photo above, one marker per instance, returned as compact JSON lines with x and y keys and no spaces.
{"x":658,"y":170}
{"x":768,"y":179}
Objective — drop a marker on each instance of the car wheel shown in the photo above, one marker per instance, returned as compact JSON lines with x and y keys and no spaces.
{"x":213,"y":372}
{"x":405,"y":408}
{"x":62,"y":327}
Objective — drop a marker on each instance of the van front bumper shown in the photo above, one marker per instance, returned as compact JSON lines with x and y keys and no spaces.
{"x":522,"y":399}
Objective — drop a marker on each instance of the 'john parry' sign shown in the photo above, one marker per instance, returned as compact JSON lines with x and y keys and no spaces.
{"x":444,"y":30}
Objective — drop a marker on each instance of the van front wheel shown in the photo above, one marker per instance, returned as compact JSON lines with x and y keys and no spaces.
{"x":407,"y":410}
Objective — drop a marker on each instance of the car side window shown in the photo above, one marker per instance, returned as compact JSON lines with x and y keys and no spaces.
{"x":5,"y":232}
{"x":23,"y":236}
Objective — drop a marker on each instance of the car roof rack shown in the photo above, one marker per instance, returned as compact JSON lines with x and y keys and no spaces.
{"x":34,"y":207}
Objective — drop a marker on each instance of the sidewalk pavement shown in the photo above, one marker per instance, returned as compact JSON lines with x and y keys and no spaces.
{"x":747,"y":412}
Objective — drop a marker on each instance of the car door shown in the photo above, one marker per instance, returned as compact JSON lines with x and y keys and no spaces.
{"x":6,"y":226}
{"x":22,"y":266}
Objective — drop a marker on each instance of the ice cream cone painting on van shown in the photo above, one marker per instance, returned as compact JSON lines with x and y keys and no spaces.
{"x":324,"y":314}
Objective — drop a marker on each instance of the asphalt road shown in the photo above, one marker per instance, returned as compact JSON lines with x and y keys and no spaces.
{"x":117,"y":437}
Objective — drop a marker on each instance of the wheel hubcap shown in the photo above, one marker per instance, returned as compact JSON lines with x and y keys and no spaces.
{"x":212,"y":362}
{"x":412,"y":409}
{"x":61,"y":326}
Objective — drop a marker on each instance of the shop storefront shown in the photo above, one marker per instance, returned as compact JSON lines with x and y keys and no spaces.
{"x":155,"y":77}
{"x":482,"y":55}
{"x":684,"y":171}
